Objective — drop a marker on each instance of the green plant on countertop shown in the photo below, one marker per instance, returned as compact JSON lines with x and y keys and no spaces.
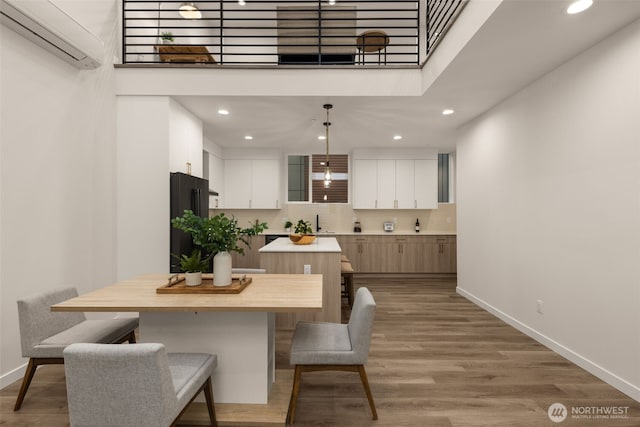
{"x":303,"y":227}
{"x":218,"y":233}
{"x":288,"y":225}
{"x":166,"y":36}
{"x":193,"y":263}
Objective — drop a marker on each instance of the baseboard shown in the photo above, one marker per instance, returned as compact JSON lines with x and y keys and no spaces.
{"x":420,"y":276}
{"x":586,"y":364}
{"x":12,"y":376}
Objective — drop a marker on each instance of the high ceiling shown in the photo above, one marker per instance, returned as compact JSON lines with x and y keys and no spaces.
{"x":519,"y":43}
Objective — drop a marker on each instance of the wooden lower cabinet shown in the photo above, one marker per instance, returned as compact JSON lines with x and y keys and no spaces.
{"x":400,"y":253}
{"x":251,"y":257}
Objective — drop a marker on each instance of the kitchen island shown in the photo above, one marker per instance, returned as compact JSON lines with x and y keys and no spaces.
{"x":238,"y":328}
{"x":323,"y":257}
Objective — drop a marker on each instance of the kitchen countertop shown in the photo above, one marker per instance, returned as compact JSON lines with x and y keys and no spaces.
{"x":390,"y":233}
{"x":321,"y":244}
{"x":377,"y":233}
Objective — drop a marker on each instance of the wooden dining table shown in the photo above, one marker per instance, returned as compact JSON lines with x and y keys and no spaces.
{"x":238,"y":328}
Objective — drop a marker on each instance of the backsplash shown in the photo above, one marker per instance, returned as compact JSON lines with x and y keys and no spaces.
{"x":339,"y":218}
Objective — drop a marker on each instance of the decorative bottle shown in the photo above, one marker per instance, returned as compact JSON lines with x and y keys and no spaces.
{"x":417,"y":225}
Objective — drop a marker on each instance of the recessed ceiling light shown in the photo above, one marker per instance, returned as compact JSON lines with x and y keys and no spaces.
{"x":322,"y":137}
{"x":248,"y":137}
{"x":579,"y":6}
{"x":241,"y":2}
{"x":448,"y":111}
{"x":223,"y":112}
{"x":397,"y":137}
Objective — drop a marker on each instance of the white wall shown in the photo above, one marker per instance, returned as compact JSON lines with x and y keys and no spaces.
{"x":57,"y":176}
{"x":549,"y":208}
{"x":156,"y":135}
{"x":143,"y":185}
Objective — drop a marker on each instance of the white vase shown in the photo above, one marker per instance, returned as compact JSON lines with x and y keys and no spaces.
{"x":193,"y":279}
{"x":222,"y":269}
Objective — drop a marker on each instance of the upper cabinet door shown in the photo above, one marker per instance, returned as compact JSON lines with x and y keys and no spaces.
{"x":405,"y":196}
{"x":251,"y":184}
{"x":386,"y":184}
{"x":237,"y":184}
{"x":365,"y":190}
{"x":426,"y":184}
{"x":265,"y":184}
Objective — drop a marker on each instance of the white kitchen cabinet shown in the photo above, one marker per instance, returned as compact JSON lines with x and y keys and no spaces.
{"x":365,"y":179}
{"x":395,"y":184}
{"x":216,"y":180}
{"x":426,"y":184}
{"x":251,"y":184}
{"x":405,"y":184}
{"x":265,"y":184}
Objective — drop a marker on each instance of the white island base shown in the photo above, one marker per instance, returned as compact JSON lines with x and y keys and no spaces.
{"x":243,"y":341}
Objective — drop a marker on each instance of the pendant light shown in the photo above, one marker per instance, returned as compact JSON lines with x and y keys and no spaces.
{"x":189,"y":10}
{"x":327,"y":168}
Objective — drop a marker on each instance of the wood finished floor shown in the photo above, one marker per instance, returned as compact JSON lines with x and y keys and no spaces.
{"x":436,"y":360}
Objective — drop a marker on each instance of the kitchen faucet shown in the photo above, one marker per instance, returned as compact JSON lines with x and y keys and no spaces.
{"x":318,"y":228}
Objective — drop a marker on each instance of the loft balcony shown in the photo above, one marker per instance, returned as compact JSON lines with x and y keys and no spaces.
{"x":303,"y":33}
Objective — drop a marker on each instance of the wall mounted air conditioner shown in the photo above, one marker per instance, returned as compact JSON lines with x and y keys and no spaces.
{"x":49,"y":26}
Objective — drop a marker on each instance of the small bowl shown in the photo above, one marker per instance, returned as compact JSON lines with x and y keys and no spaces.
{"x":302,"y":239}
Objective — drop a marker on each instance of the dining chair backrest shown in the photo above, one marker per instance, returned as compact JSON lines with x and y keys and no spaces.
{"x":38,"y":322}
{"x":360,"y":324}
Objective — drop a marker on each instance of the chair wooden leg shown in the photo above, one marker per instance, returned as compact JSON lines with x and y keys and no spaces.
{"x":130,"y":338}
{"x":294,"y":395}
{"x":348,"y":283}
{"x":33,"y":364}
{"x":208,"y":394}
{"x":26,"y":381}
{"x":367,"y":390}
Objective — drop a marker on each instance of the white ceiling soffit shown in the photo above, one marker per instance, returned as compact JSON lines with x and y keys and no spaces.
{"x":520,"y":42}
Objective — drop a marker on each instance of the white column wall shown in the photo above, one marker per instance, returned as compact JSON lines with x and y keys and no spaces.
{"x":549,"y":209}
{"x":143,"y":185}
{"x":156,"y":135}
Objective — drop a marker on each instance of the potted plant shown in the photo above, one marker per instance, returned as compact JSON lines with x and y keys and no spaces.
{"x":287,"y":226}
{"x":166,"y":37}
{"x":217,"y":237}
{"x":193,"y":265}
{"x":303,"y":233}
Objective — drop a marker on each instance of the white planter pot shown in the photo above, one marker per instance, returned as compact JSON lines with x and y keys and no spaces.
{"x":222,"y":269}
{"x":193,"y":279}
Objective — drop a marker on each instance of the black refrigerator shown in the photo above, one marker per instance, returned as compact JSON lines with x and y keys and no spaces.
{"x":187,"y":192}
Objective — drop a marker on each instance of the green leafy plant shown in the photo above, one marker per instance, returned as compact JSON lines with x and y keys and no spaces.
{"x":288,"y":224}
{"x":303,"y":227}
{"x":216,"y":234}
{"x":166,"y":36}
{"x":193,"y":263}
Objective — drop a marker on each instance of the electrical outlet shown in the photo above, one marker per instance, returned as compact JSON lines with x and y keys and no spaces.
{"x":307,"y":269}
{"x":539,"y":305}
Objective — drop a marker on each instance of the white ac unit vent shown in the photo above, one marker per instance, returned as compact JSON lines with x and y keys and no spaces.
{"x":49,"y":26}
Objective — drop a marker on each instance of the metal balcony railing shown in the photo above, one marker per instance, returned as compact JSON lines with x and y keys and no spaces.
{"x":279,"y":33}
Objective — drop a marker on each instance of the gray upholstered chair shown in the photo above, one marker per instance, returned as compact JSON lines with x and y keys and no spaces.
{"x":134,"y":385}
{"x":44,"y":334}
{"x":320,"y":346}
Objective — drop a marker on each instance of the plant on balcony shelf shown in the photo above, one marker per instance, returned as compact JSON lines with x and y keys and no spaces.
{"x":166,"y":37}
{"x":217,"y":237}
